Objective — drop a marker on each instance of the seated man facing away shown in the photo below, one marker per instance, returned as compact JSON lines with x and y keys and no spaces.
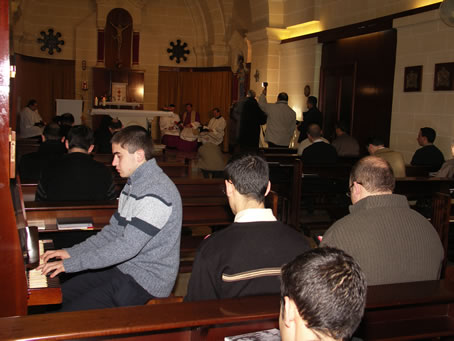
{"x":245,"y":258}
{"x":51,"y":148}
{"x":391,"y":242}
{"x":136,"y":256}
{"x":323,"y":296}
{"x":76,"y":176}
{"x":319,"y":152}
{"x":428,"y":154}
{"x":376,"y":147}
{"x":345,"y":144}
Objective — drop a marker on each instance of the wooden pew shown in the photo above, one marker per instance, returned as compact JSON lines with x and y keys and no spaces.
{"x":212,"y":211}
{"x":402,"y":311}
{"x":285,"y":180}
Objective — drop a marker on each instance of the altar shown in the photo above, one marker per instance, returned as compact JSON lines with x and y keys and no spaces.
{"x":130,"y":116}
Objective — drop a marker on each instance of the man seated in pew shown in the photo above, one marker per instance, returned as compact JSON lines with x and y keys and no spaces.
{"x":104,"y":135}
{"x":66,"y":121}
{"x":135,"y":258}
{"x":376,"y":147}
{"x":76,"y":176}
{"x":447,"y":169}
{"x":245,"y":258}
{"x":323,"y":296}
{"x":428,"y":154}
{"x":391,"y":242}
{"x":51,"y":149}
{"x":318,"y":152}
{"x":31,"y":123}
{"x":346,"y":145}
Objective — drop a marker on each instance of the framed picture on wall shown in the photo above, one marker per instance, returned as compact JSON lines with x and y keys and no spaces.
{"x":413,"y":78}
{"x":444,"y":77}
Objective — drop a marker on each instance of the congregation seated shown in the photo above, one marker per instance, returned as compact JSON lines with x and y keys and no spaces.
{"x":391,"y":242}
{"x":168,"y":125}
{"x":346,"y":145}
{"x":428,"y":154}
{"x":51,"y":148}
{"x":245,"y":258}
{"x":189,"y":125}
{"x":323,"y":296}
{"x":135,"y":257}
{"x":447,"y":169}
{"x":319,"y":152}
{"x":376,"y":147}
{"x":76,"y":176}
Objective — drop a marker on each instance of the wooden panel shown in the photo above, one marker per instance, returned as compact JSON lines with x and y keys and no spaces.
{"x":374,"y":57}
{"x":13,"y":289}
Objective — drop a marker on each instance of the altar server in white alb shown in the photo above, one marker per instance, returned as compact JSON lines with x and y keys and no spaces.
{"x":214,"y":132}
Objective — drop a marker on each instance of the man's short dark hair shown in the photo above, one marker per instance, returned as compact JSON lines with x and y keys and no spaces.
{"x":374,"y":174}
{"x":31,"y":102}
{"x":342,"y":125}
{"x":429,"y":133}
{"x":314,"y":130}
{"x":312,"y":100}
{"x":216,"y":109}
{"x":188,"y":104}
{"x":66,"y":119}
{"x":52,"y":131}
{"x":375,"y":141}
{"x":329,"y":290}
{"x":282,"y":97}
{"x":80,"y":136}
{"x":115,"y":124}
{"x":251,"y":93}
{"x":250,"y":176}
{"x":134,"y":138}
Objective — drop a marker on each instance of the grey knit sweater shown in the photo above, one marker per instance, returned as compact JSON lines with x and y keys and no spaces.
{"x":143,"y":236}
{"x":391,"y":242}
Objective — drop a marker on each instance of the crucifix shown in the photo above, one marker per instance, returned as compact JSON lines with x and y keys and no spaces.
{"x":118,"y":36}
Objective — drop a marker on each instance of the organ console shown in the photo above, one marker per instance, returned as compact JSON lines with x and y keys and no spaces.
{"x":19,"y":243}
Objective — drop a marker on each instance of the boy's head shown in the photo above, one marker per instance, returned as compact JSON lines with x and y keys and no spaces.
{"x":81,"y":137}
{"x":132,"y":146}
{"x":323,"y":296}
{"x":246,"y":178}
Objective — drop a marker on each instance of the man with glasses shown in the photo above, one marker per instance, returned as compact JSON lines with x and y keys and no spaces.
{"x":391,"y":242}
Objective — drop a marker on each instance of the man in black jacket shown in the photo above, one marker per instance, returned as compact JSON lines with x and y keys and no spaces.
{"x":319,"y":152}
{"x":76,"y":176}
{"x":428,"y":155}
{"x":312,"y":115}
{"x":245,"y":258}
{"x":251,"y":117}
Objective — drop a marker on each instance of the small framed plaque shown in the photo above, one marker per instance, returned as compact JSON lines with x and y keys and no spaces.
{"x":444,"y":77}
{"x":119,"y":92}
{"x":413,"y":78}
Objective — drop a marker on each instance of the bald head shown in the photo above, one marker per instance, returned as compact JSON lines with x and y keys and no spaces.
{"x":314,"y":131}
{"x":374,"y":174}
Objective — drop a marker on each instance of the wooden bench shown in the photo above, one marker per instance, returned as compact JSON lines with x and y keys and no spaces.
{"x":405,"y":311}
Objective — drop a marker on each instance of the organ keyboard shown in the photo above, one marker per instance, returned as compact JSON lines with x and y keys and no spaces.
{"x":42,"y":289}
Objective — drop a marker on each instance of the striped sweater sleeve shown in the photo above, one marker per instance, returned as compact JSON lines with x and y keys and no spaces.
{"x":147,"y":216}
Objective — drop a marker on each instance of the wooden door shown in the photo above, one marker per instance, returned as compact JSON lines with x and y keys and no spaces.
{"x":337,"y":89}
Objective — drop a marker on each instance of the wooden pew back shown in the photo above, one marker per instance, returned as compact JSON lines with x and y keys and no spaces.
{"x":401,"y":311}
